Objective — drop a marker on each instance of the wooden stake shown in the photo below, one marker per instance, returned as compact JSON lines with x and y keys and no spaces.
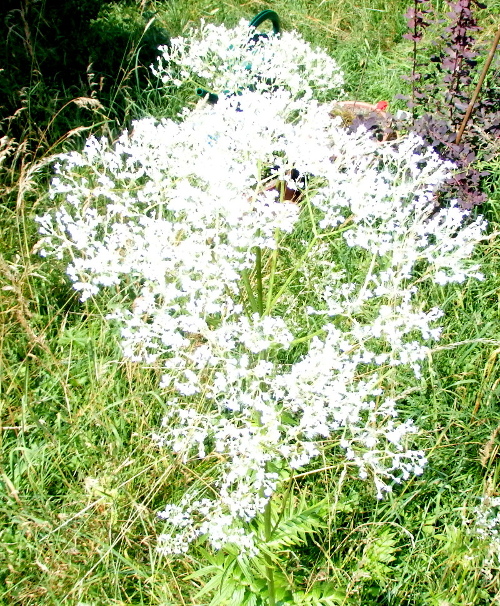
{"x":478,"y":88}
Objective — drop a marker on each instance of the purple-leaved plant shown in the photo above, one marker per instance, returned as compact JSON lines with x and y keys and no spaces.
{"x":440,"y":97}
{"x":417,"y":23}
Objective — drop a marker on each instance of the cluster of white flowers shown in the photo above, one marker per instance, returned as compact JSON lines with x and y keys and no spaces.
{"x":487,"y":522}
{"x":485,"y":529}
{"x":174,"y":212}
{"x":229,"y":60}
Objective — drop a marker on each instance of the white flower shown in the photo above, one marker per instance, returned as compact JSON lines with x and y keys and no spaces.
{"x":230,"y":60}
{"x":176,"y":211}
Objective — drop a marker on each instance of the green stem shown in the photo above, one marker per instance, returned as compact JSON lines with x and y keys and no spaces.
{"x":267,"y":512}
{"x":307,"y":337}
{"x":269,"y":564}
{"x":258,"y":272}
{"x":368,"y":277}
{"x":268,"y":509}
{"x":248,"y":289}
{"x":274,"y":259}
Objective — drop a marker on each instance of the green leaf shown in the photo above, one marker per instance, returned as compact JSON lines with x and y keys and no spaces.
{"x":295,"y":523}
{"x":322,"y":594}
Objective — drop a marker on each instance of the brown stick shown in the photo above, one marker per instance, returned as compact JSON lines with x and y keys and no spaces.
{"x":478,"y":87}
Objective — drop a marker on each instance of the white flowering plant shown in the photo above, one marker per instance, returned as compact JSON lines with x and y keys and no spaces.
{"x":271,"y":347}
{"x":225,"y":60}
{"x":483,"y":528}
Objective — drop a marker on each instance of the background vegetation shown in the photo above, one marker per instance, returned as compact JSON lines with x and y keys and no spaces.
{"x":80,"y":480}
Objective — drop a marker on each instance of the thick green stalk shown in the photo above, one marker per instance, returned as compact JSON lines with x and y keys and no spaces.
{"x":248,"y":288}
{"x":308,"y":337}
{"x":269,"y":300}
{"x":257,"y":304}
{"x":268,"y":509}
{"x":258,"y":271}
{"x":269,"y":565}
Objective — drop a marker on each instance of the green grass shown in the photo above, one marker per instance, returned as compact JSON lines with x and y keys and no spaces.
{"x":81,"y":480}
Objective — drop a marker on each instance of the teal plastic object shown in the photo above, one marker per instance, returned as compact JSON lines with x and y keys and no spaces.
{"x":264,"y":16}
{"x":255,"y":22}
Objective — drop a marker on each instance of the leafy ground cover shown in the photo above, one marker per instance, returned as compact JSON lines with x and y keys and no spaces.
{"x":82,"y":481}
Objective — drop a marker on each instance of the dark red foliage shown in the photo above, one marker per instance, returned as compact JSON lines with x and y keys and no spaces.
{"x":440,"y":97}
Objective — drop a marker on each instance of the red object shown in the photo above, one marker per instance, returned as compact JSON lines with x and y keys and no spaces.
{"x":382,"y":105}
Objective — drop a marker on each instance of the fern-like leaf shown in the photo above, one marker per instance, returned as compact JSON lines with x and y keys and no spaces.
{"x":294,"y":524}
